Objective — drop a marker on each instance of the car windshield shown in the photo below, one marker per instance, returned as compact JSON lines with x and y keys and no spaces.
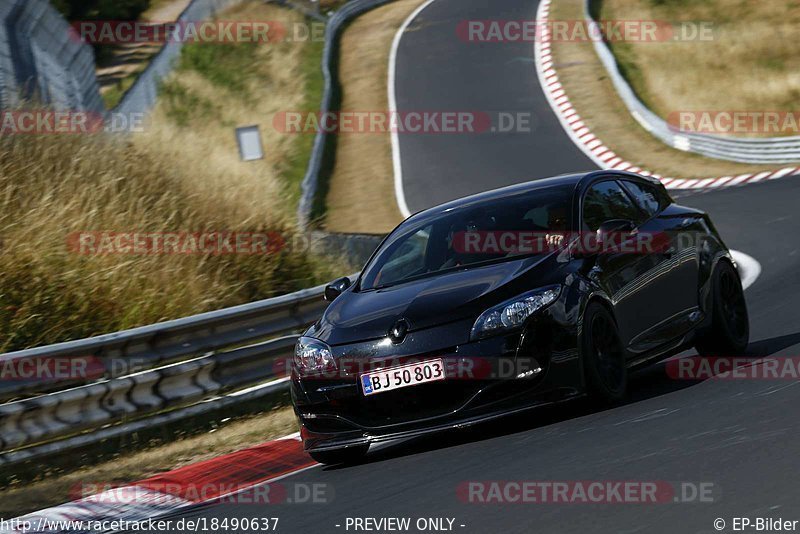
{"x":470,"y":235}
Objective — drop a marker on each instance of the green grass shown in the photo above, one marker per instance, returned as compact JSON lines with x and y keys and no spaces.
{"x":295,"y":169}
{"x":228,"y":66}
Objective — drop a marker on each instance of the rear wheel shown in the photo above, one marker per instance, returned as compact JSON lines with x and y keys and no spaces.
{"x":730,"y":324}
{"x":603,"y":355}
{"x":350,"y":455}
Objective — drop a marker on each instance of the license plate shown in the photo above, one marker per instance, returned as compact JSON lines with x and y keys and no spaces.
{"x":403,"y":376}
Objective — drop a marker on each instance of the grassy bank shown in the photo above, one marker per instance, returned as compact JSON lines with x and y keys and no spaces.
{"x":217,"y":88}
{"x":590,"y":91}
{"x":362,"y":174}
{"x":750,"y":61}
{"x":182,"y":174}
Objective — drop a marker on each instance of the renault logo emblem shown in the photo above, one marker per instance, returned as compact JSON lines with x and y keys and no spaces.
{"x":398,"y":332}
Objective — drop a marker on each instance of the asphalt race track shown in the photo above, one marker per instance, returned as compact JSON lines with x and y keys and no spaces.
{"x":740,"y":436}
{"x":451,"y":74}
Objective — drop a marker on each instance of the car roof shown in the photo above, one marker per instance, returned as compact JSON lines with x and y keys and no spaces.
{"x":577,"y":180}
{"x":504,"y":192}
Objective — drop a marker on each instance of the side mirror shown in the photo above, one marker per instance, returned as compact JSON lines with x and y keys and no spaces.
{"x":611,"y":230}
{"x":608,"y":233}
{"x":336,"y":288}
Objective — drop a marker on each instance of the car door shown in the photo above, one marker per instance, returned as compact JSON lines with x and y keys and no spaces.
{"x":629,"y":276}
{"x":675,"y":285}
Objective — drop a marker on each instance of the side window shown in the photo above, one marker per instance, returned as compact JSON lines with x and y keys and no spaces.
{"x":647,"y":196}
{"x":606,"y":201}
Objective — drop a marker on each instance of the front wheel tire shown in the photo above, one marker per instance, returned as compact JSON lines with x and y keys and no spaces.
{"x":349,"y":455}
{"x":603,"y":355}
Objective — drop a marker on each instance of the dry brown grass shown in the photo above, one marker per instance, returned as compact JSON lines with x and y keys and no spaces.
{"x":361,"y":196}
{"x":182,"y":174}
{"x":126,"y":469}
{"x":53,"y":186}
{"x":751,"y":62}
{"x":592,"y":94}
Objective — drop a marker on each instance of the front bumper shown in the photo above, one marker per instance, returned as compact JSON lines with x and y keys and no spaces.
{"x":320,"y":441}
{"x":485,"y":379}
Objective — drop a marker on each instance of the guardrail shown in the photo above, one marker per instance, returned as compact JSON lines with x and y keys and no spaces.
{"x":318,"y":154}
{"x":174,"y":369}
{"x":744,"y":150}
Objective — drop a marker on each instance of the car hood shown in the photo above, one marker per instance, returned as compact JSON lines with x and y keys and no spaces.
{"x":424,"y":303}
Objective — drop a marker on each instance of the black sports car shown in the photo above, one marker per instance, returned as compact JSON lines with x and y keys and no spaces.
{"x":509,"y":299}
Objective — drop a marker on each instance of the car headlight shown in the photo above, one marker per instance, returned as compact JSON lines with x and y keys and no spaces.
{"x":514,"y":312}
{"x":312,"y":355}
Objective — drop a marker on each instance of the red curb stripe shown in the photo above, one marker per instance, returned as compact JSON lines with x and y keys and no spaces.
{"x":208,"y":481}
{"x":237,"y":470}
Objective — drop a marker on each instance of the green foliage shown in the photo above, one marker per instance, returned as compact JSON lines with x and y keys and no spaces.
{"x":101,"y":9}
{"x":228,"y":66}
